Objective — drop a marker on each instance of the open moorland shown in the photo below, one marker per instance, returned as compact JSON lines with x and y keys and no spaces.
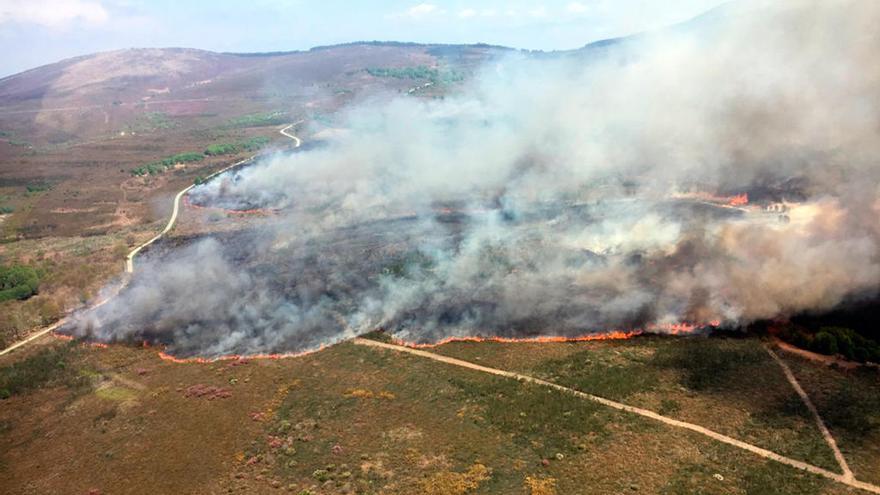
{"x":357,"y":419}
{"x":96,"y":153}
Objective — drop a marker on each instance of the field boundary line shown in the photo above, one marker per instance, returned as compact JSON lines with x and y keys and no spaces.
{"x":767,"y":454}
{"x":826,"y":433}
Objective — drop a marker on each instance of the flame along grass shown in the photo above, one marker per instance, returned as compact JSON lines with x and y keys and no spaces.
{"x":669,"y":329}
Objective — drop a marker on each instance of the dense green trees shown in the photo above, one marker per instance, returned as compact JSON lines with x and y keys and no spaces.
{"x":159,"y":166}
{"x":252,"y":144}
{"x":18,"y":282}
{"x":436,"y":76}
{"x":221,"y":149}
{"x":836,"y":340}
{"x":166,"y":163}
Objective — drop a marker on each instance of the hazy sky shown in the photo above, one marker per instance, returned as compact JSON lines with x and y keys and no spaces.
{"x":36,"y":32}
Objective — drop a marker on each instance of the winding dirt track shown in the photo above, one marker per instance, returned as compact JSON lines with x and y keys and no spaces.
{"x":845,"y":478}
{"x":129,"y":259}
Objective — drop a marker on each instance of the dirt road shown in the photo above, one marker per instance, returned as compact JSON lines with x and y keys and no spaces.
{"x":845,"y":478}
{"x":129,"y":259}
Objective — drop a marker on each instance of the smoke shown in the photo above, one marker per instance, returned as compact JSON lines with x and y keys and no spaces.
{"x":556,"y":196}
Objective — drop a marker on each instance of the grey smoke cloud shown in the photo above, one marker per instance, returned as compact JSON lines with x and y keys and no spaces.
{"x":541,"y":200}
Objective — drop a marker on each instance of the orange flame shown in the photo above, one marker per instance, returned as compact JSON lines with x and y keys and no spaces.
{"x":613,"y":335}
{"x":238,"y":357}
{"x":671,"y":329}
{"x":739,"y":200}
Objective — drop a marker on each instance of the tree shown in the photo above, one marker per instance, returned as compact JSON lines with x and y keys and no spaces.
{"x":18,"y":282}
{"x":825,"y":343}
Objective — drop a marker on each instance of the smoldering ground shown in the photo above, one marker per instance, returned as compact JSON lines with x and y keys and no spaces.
{"x":539,"y":201}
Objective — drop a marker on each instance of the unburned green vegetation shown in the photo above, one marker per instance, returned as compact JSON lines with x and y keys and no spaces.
{"x":730,"y":385}
{"x":376,"y":421}
{"x":420,"y":72}
{"x":355,"y":419}
{"x":18,"y":282}
{"x":37,"y":188}
{"x":250,"y":145}
{"x":849,"y":402}
{"x":258,"y":119}
{"x":70,"y":271}
{"x":152,"y":121}
{"x":48,"y":366}
{"x":831,"y":340}
{"x":164,"y":164}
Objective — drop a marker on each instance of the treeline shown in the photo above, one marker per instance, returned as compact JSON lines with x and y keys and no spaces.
{"x":18,"y":282}
{"x":252,"y":144}
{"x":160,"y":166}
{"x":421,"y":72}
{"x":258,"y":120}
{"x":835,"y":341}
{"x":157,"y":167}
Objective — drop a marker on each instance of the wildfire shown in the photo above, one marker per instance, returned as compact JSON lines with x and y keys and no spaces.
{"x":670,"y":329}
{"x":613,"y":335}
{"x":235,"y":357}
{"x":68,"y":338}
{"x":739,"y":200}
{"x":255,"y":211}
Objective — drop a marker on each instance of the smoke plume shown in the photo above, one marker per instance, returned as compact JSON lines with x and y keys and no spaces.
{"x":564,"y":195}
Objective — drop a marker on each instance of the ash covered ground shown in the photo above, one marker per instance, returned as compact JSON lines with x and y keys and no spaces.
{"x":257,"y":291}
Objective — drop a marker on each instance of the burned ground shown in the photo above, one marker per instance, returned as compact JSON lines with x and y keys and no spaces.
{"x":259,"y":289}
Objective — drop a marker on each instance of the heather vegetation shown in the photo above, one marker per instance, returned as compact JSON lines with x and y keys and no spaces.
{"x":46,"y":367}
{"x":152,"y":121}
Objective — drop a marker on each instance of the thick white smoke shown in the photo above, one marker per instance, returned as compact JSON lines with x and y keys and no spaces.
{"x":538,"y":200}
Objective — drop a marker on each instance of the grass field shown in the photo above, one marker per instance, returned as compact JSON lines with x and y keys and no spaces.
{"x":352,"y":419}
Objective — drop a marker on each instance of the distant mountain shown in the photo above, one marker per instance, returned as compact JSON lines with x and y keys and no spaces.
{"x":105,"y":92}
{"x":129,"y":74}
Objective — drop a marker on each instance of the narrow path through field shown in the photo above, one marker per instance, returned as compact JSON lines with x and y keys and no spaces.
{"x":826,"y":434}
{"x":840,"y":478}
{"x":129,"y":259}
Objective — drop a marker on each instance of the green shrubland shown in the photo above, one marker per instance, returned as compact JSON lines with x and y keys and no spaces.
{"x":835,"y":340}
{"x":437,"y":76}
{"x":18,"y":282}
{"x":160,"y":166}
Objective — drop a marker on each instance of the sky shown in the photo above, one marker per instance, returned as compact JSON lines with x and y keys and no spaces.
{"x":37,"y":32}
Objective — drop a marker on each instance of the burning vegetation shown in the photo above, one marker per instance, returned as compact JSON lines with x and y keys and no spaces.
{"x":625,"y":192}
